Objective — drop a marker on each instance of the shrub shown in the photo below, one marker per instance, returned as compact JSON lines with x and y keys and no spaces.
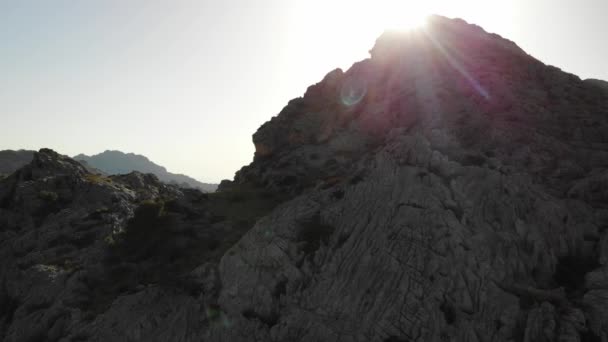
{"x":147,"y":232}
{"x":48,"y":196}
{"x":97,"y":179}
{"x":109,"y":239}
{"x":147,"y":245}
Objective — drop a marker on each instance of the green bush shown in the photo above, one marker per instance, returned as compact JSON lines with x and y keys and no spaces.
{"x":97,"y":179}
{"x":48,"y":196}
{"x":148,"y":231}
{"x":147,"y":245}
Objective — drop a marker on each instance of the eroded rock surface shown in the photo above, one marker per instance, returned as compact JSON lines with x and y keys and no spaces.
{"x":451,"y":187}
{"x":90,"y":257}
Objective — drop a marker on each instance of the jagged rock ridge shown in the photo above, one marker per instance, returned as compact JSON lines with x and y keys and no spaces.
{"x":451,"y":187}
{"x":116,"y":162}
{"x":75,"y":244}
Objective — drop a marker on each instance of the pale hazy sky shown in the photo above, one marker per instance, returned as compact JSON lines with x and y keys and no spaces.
{"x":187,"y":83}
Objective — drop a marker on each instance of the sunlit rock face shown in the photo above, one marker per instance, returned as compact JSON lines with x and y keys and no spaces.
{"x":449,"y":188}
{"x":449,"y":79}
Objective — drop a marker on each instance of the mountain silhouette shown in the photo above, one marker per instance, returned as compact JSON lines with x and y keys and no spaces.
{"x":116,"y":162}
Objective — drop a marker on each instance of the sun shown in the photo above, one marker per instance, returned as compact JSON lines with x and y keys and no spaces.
{"x":338,"y":32}
{"x":402,"y":15}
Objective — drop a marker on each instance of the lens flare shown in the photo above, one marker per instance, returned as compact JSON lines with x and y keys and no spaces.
{"x":352,"y":92}
{"x":460,"y":68}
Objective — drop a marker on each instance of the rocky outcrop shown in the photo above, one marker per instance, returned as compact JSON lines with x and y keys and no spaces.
{"x":117,"y":163}
{"x":467,"y":202}
{"x":450,"y":187}
{"x":598,"y":83}
{"x":82,"y":254}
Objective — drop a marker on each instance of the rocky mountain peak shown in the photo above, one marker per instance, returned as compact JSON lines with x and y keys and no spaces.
{"x":441,"y":33}
{"x":451,"y":84}
{"x":47,"y":162}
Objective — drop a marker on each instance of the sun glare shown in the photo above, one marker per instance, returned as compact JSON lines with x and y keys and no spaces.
{"x":402,"y":15}
{"x":329,"y":34}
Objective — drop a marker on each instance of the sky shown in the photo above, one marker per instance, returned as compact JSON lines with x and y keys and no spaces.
{"x":186,"y":83}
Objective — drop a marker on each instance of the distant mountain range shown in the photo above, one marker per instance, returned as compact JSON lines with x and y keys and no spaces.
{"x":109,"y":163}
{"x":12,"y":160}
{"x":117,"y":162}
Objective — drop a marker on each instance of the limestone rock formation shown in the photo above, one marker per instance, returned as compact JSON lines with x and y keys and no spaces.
{"x":83,"y":254}
{"x":449,"y":188}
